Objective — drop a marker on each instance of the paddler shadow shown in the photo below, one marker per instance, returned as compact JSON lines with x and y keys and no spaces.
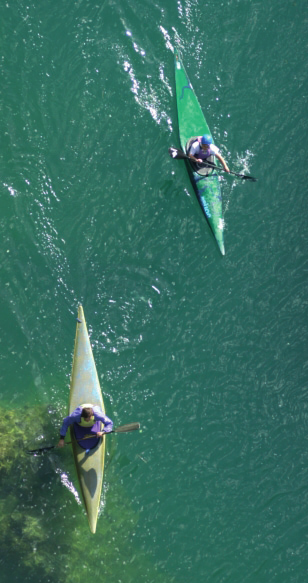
{"x":89,"y":477}
{"x":87,"y":454}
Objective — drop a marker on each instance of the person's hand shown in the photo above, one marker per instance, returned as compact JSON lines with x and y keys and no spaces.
{"x":199,"y":160}
{"x":100,"y":433}
{"x":61,"y":443}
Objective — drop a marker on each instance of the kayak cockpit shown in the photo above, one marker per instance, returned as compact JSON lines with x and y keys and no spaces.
{"x":81,"y":433}
{"x":201,"y":170}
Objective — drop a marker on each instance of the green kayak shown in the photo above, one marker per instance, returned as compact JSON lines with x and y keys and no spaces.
{"x":89,"y":455}
{"x":192,"y":123}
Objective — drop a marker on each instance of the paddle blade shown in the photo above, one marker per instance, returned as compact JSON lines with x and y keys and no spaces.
{"x":41,"y":450}
{"x":249,"y":178}
{"x":128,"y":427}
{"x":177,"y":154}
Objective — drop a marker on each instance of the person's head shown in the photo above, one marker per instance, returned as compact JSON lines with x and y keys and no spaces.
{"x":87,"y":412}
{"x":206,"y":141}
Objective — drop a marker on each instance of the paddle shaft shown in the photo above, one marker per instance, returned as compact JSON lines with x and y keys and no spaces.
{"x":83,"y":438}
{"x":180,"y":154}
{"x":207,"y":164}
{"x":121,"y":429}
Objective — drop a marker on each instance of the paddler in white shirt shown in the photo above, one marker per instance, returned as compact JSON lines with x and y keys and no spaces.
{"x":202,"y":148}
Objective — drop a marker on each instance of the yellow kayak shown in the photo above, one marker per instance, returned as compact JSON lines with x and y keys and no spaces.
{"x":89,"y":455}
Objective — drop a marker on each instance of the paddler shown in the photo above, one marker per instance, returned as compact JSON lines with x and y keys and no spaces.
{"x":202,"y":148}
{"x":86,"y":416}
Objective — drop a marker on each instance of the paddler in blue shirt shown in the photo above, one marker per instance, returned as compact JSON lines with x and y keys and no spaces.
{"x":86,"y":416}
{"x":202,"y":148}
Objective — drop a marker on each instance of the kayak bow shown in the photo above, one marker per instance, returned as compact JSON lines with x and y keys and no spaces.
{"x":192,"y":123}
{"x":89,"y":455}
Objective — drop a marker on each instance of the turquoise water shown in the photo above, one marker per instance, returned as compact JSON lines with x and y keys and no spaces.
{"x":208,"y":353}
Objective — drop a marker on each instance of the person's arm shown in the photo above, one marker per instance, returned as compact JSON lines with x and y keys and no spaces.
{"x":194,"y":159}
{"x":67,"y":421}
{"x":192,"y":153}
{"x":222,"y":161}
{"x":108,"y":423}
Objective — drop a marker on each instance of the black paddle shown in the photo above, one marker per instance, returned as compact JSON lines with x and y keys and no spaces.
{"x":121,"y":429}
{"x":180,"y":155}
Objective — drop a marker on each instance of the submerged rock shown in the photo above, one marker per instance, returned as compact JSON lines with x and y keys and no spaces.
{"x":44,"y":534}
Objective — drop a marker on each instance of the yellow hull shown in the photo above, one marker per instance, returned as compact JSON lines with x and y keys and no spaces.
{"x":85,"y":388}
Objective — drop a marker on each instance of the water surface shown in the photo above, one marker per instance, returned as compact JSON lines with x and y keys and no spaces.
{"x":208,"y":353}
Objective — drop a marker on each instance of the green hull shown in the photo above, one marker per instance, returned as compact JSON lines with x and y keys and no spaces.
{"x":192,"y":123}
{"x":85,"y":388}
